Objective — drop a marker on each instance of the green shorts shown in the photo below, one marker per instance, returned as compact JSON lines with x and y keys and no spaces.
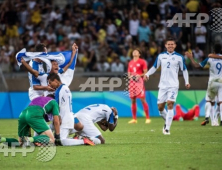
{"x":32,"y":117}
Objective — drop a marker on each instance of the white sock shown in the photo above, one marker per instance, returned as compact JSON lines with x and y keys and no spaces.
{"x":217,"y":112}
{"x":169,"y":119}
{"x":72,"y":142}
{"x":163,"y":114}
{"x":35,"y":134}
{"x":96,"y":140}
{"x":212,"y":114}
{"x":221,"y":112}
{"x":207,"y":109}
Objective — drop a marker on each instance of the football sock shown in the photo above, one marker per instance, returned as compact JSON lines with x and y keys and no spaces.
{"x":72,"y":142}
{"x":96,"y":140}
{"x":197,"y":111}
{"x":221,"y":112}
{"x":207,"y":109}
{"x":39,"y":139}
{"x":9,"y":141}
{"x":146,"y":109}
{"x":169,"y":119}
{"x":134,"y":108}
{"x":212,"y":114}
{"x":163,"y":114}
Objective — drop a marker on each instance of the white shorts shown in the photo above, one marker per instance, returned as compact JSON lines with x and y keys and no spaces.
{"x":214,"y":90}
{"x":89,"y":129}
{"x":65,"y":132}
{"x":167,"y":94}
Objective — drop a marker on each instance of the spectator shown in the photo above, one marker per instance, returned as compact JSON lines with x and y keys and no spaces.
{"x":192,"y":6}
{"x":144,"y":32}
{"x":198,"y":54}
{"x":117,"y":66}
{"x":4,"y":61}
{"x":133,"y":27}
{"x":103,"y":66}
{"x":160,"y":34}
{"x":153,"y":11}
{"x":67,"y":27}
{"x":51,"y":36}
{"x":74,"y":35}
{"x":111,"y":31}
{"x":201,"y":36}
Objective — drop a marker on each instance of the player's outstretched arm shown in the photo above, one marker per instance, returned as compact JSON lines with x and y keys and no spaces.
{"x":112,"y":125}
{"x":74,"y":49}
{"x":29,"y":68}
{"x":194,"y":63}
{"x":214,"y":56}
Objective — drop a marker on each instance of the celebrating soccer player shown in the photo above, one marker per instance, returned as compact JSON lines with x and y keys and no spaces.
{"x":137,"y":67}
{"x":214,"y":84}
{"x":170,"y":61}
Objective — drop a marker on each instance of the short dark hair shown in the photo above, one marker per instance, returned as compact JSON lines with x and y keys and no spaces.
{"x":217,"y":48}
{"x":40,"y":47}
{"x":51,"y":96}
{"x":170,"y":39}
{"x":53,"y":76}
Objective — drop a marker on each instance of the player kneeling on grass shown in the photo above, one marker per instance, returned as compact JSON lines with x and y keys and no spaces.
{"x":106,"y":117}
{"x":33,"y":117}
{"x":63,"y":97}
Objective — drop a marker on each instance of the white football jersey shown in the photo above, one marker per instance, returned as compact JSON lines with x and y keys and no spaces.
{"x":215,"y":67}
{"x":170,"y":63}
{"x":34,"y":81}
{"x":96,"y":112}
{"x":63,"y":96}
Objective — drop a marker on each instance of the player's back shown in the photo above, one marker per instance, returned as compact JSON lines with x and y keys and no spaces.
{"x":215,"y":68}
{"x":34,"y":81}
{"x":95,"y":112}
{"x":63,"y":97}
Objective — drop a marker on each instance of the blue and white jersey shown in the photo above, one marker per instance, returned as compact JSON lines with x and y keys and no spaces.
{"x":96,"y":113}
{"x":215,"y":67}
{"x":34,"y":81}
{"x":63,"y":96}
{"x":43,"y":80}
{"x":170,"y":63}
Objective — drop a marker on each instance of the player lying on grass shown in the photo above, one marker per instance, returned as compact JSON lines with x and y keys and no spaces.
{"x":33,"y":117}
{"x":214,"y":85}
{"x":63,"y":97}
{"x":170,"y":61}
{"x":38,"y":79}
{"x":106,"y":117}
{"x":192,"y":114}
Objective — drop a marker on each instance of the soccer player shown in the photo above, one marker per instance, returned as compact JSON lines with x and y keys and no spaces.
{"x":137,"y":67}
{"x":170,"y":61}
{"x":192,"y":114}
{"x":33,"y":117}
{"x":36,"y":89}
{"x":214,"y":85}
{"x":106,"y":117}
{"x":63,"y":97}
{"x":42,"y":77}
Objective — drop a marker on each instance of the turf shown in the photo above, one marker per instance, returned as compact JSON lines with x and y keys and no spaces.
{"x":135,"y":146}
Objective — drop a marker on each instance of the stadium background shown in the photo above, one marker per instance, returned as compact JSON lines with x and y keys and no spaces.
{"x":105,"y":37}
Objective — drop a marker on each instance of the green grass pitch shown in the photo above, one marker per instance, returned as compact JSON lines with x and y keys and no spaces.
{"x":135,"y":146}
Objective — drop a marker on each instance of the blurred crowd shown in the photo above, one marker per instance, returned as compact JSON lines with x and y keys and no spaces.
{"x":106,"y":31}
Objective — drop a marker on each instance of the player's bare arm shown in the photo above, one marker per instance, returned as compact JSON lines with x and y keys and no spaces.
{"x":36,"y":74}
{"x":212,"y":55}
{"x":194,"y":63}
{"x":103,"y":125}
{"x":56,"y":123}
{"x":74,"y":49}
{"x":113,"y":126}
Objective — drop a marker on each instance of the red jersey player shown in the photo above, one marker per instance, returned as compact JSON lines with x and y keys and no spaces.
{"x":192,"y":114}
{"x":137,"y":67}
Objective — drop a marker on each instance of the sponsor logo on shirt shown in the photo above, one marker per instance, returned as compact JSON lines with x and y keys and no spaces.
{"x":137,"y":65}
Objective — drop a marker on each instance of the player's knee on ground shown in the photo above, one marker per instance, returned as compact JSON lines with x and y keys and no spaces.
{"x":79,"y":126}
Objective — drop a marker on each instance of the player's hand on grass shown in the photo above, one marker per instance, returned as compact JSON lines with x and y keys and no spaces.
{"x":187,"y":86}
{"x":145,"y":77}
{"x":48,"y":88}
